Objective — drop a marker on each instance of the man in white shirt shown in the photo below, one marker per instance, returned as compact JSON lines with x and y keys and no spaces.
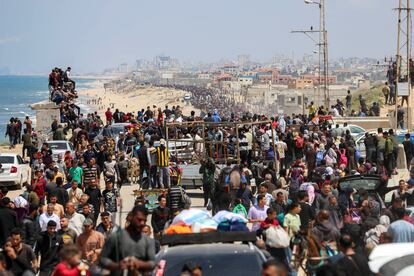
{"x":47,"y":216}
{"x":75,"y":219}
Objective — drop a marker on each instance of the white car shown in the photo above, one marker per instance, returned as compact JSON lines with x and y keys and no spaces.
{"x":60,"y":147}
{"x":355,"y":130}
{"x":14,"y":170}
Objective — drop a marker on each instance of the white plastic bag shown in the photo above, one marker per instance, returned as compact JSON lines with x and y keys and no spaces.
{"x":277,"y":237}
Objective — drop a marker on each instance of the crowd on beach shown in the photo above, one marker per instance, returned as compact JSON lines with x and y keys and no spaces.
{"x":279,"y":173}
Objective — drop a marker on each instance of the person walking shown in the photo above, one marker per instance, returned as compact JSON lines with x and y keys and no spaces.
{"x":138,"y":252}
{"x":47,"y":248}
{"x":207,"y":169}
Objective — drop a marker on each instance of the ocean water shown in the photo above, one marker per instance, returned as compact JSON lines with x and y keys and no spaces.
{"x":18,"y":92}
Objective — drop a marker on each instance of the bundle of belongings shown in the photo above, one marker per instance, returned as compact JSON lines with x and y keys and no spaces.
{"x":199,"y":221}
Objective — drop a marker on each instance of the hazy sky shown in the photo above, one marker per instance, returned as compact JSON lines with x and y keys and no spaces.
{"x":90,"y":35}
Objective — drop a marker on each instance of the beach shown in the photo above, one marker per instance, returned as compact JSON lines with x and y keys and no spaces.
{"x":132,"y":99}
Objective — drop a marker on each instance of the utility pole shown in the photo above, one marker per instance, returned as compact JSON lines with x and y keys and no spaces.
{"x":323,"y":50}
{"x":403,"y":57}
{"x":324,"y":42}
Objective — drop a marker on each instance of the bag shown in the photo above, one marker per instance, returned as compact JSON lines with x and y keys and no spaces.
{"x":277,"y":237}
{"x":185,"y":199}
{"x":343,"y":160}
{"x":299,"y":142}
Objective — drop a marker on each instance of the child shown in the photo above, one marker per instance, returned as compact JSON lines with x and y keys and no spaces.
{"x":239,"y":208}
{"x":71,"y":263}
{"x":111,"y":200}
{"x":292,"y":220}
{"x":271,"y":219}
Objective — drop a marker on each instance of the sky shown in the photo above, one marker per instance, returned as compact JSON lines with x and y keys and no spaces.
{"x":91,"y":35}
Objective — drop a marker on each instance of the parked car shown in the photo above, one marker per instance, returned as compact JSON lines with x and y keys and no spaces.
{"x":60,"y":147}
{"x":214,"y":258}
{"x":355,"y":130}
{"x":111,"y":131}
{"x":14,"y":171}
{"x":371,"y":183}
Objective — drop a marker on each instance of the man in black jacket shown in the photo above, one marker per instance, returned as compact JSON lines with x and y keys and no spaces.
{"x":61,"y":192}
{"x":160,"y":216}
{"x":8,"y":220}
{"x":48,"y":246}
{"x":31,"y":227}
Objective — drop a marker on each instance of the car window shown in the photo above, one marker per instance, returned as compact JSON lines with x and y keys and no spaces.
{"x":360,"y":183}
{"x":117,"y":129}
{"x":58,"y":146}
{"x":6,"y":159}
{"x":19,"y":160}
{"x":356,"y":129}
{"x":217,"y":264}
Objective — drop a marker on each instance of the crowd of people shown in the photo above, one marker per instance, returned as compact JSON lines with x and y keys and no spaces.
{"x":280,"y":171}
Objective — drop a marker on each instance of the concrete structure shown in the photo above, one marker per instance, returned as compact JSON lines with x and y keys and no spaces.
{"x":245,"y":80}
{"x":300,"y":84}
{"x":46,"y":112}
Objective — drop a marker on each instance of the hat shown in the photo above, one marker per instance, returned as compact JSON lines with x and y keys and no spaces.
{"x":162,"y":142}
{"x":88,"y":221}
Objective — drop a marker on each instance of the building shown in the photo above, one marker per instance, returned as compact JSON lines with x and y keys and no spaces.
{"x":266,"y":75}
{"x":246,"y":80}
{"x":300,"y":84}
{"x":315,"y":78}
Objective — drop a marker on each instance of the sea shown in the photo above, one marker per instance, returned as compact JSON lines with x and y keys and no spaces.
{"x":18,"y":92}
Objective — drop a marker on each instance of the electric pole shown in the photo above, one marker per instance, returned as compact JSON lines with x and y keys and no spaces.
{"x":403,"y":63}
{"x":323,"y":50}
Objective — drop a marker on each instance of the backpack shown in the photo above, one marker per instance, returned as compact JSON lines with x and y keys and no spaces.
{"x":342,"y":158}
{"x":299,"y":142}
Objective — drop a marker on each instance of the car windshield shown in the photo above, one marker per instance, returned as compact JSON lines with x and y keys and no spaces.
{"x":117,"y":129}
{"x":6,"y":159}
{"x":58,"y":146}
{"x":217,"y":264}
{"x":368,"y":184}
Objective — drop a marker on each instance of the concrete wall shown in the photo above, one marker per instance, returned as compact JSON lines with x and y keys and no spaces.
{"x":46,"y":112}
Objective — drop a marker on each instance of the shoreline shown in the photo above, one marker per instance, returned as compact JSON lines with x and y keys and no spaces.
{"x":133,"y":99}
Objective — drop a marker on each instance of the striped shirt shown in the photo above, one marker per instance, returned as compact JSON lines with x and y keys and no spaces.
{"x":162,"y":157}
{"x":175,"y":197}
{"x":89,"y":173}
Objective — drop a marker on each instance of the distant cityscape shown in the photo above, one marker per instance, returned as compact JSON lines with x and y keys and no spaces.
{"x":282,"y":84}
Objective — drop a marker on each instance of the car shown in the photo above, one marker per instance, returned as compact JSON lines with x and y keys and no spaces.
{"x":14,"y":171}
{"x":60,"y":147}
{"x":214,"y":252}
{"x":111,"y":131}
{"x":187,"y":97}
{"x":371,"y":183}
{"x":396,"y":259}
{"x":355,"y":130}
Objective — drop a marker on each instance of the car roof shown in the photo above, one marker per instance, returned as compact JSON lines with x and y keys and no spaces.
{"x":207,"y":249}
{"x":8,"y":154}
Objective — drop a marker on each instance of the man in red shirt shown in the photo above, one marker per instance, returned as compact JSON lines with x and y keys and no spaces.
{"x":39,"y":185}
{"x":108,"y":115}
